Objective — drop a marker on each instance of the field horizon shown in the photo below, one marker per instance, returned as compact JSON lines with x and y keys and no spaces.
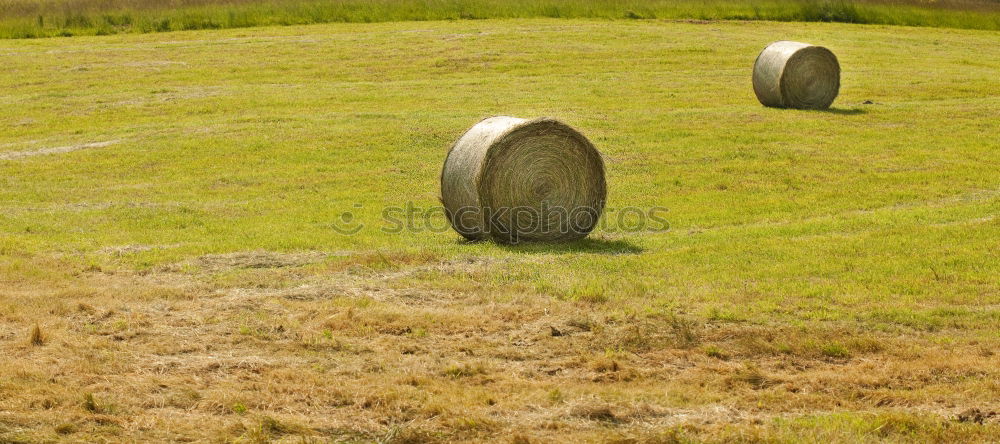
{"x":63,"y":18}
{"x":173,"y":263}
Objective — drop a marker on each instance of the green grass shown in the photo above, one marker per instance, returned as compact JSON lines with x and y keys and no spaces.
{"x":827,"y":276}
{"x":264,"y":140}
{"x":47,"y":18}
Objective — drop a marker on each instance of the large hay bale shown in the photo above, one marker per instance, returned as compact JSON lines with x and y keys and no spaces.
{"x":513,"y":180}
{"x":796,"y":75}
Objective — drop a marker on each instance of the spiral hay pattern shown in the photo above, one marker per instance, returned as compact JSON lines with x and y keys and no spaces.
{"x":515,"y":180}
{"x":796,"y":75}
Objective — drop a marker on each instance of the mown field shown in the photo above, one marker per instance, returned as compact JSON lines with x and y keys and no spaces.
{"x":48,"y":18}
{"x":170,"y":268}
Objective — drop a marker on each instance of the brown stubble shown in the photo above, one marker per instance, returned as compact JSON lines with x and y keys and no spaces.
{"x":362,"y":347}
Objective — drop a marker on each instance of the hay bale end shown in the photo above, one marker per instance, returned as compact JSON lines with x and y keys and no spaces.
{"x":513,"y":180}
{"x":796,"y":75}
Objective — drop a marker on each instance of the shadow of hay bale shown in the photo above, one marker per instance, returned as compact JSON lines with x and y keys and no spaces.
{"x":587,"y":245}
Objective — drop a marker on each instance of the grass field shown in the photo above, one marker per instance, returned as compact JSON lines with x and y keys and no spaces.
{"x":169,"y":268}
{"x":48,"y":18}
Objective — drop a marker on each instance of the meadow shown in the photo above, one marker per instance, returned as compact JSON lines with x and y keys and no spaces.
{"x":48,"y":18}
{"x":172,"y":266}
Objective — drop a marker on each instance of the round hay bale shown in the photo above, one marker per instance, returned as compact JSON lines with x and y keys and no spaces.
{"x":514,"y":180}
{"x":796,"y":75}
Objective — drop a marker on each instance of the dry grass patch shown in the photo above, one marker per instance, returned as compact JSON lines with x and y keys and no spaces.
{"x":363,"y":359}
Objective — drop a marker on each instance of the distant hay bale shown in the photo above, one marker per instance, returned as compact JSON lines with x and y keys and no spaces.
{"x":514,"y":180}
{"x":796,"y":75}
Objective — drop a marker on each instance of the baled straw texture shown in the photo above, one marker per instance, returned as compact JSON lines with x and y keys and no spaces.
{"x":796,"y":75}
{"x":514,"y":180}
